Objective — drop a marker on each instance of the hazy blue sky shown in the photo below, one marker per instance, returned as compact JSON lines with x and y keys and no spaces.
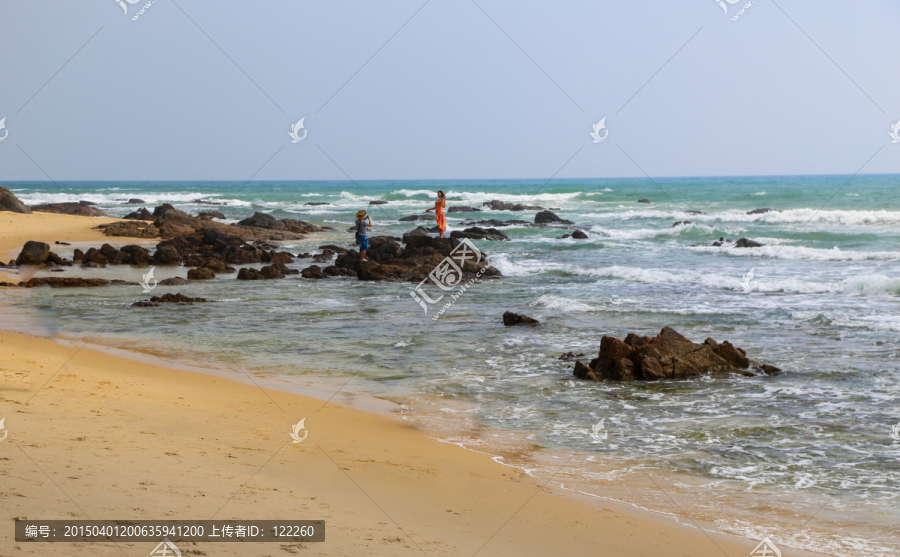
{"x":450,"y":96}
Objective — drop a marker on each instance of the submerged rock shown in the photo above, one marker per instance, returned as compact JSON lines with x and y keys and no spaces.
{"x":669,"y":355}
{"x":497,"y":205}
{"x":762,"y":211}
{"x":745,"y":243}
{"x":510,"y":319}
{"x":179,"y":299}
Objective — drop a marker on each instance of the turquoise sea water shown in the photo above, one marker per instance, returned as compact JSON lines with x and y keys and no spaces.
{"x":755,"y":456}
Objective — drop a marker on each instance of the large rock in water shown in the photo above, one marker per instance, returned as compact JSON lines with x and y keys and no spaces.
{"x":669,"y":355}
{"x":9,"y":202}
{"x":549,"y":217}
{"x":262,"y":220}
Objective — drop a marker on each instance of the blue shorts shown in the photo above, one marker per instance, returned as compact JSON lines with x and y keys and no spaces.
{"x":363,"y":243}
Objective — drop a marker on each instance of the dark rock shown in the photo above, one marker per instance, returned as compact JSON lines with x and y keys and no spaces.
{"x":421,"y":231}
{"x":9,"y":202}
{"x":463,"y":209}
{"x":769,"y":370}
{"x":313,"y":272}
{"x":262,"y":220}
{"x":271,"y":272}
{"x":78,"y":255}
{"x":316,"y":203}
{"x":549,"y":217}
{"x":570,"y":356}
{"x":745,"y":243}
{"x":62,"y":243}
{"x":138,"y":255}
{"x":681,"y":222}
{"x":496,"y":205}
{"x":249,"y":273}
{"x":131,"y":229}
{"x":695,"y":212}
{"x":584,"y":372}
{"x":206,"y":215}
{"x":334,"y":248}
{"x":643,"y":201}
{"x":324,"y":256}
{"x":174,"y":281}
{"x":65,"y":282}
{"x":136,"y":201}
{"x":476,"y":233}
{"x":68,"y":209}
{"x":564,"y":236}
{"x":201,"y":273}
{"x":579,"y":235}
{"x":143,"y":214}
{"x":378,"y":202}
{"x":300,"y":226}
{"x":88,"y":203}
{"x":179,"y":299}
{"x":167,"y":255}
{"x":162,"y":209}
{"x":412,"y":218}
{"x":669,"y":355}
{"x":510,"y":319}
{"x":94,"y":256}
{"x":762,"y":211}
{"x":494,"y":223}
{"x":33,"y":253}
{"x":282,"y":257}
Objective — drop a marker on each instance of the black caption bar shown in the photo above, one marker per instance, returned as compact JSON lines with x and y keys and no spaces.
{"x":173,"y":530}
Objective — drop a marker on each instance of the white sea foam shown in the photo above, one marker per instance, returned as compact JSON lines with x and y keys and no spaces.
{"x":788,"y":216}
{"x":561,"y":304}
{"x":804,"y":253}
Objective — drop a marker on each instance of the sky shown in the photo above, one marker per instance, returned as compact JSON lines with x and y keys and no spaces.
{"x":441,"y":89}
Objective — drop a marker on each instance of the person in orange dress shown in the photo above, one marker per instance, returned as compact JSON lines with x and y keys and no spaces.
{"x":439,"y":212}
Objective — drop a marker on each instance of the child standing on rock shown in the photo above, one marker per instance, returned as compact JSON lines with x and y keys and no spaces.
{"x":363,"y":221}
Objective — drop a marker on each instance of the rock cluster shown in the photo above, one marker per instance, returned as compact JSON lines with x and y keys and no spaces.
{"x":510,"y":319}
{"x":549,"y":217}
{"x":389,"y":261}
{"x":669,"y":355}
{"x":69,"y":209}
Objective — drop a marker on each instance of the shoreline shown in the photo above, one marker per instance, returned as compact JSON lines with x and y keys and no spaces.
{"x":571,"y":518}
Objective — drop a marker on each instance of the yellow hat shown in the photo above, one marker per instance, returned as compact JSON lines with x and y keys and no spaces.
{"x":360,"y":214}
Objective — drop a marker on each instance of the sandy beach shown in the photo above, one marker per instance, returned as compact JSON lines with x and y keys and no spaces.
{"x":96,"y":434}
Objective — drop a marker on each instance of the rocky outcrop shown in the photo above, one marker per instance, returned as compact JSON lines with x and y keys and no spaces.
{"x":549,"y":217}
{"x":378,"y":202}
{"x":178,"y":299}
{"x":389,"y":261}
{"x":143,"y":214}
{"x":174,"y":281}
{"x":412,"y":218}
{"x":669,"y":355}
{"x":66,"y":282}
{"x":643,"y":201}
{"x":262,"y":220}
{"x":579,"y":235}
{"x":130,"y":229}
{"x":206,"y":215}
{"x":762,"y":211}
{"x":571,"y":356}
{"x":511,"y":319}
{"x":495,"y":222}
{"x":9,"y":202}
{"x":476,"y":233}
{"x":68,"y":209}
{"x":496,"y":205}
{"x":136,"y":201}
{"x":463,"y":209}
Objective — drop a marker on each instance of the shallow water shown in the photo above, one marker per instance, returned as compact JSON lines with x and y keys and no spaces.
{"x":756,"y":456}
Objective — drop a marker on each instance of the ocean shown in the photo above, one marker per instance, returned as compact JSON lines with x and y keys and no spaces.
{"x":806,"y":457}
